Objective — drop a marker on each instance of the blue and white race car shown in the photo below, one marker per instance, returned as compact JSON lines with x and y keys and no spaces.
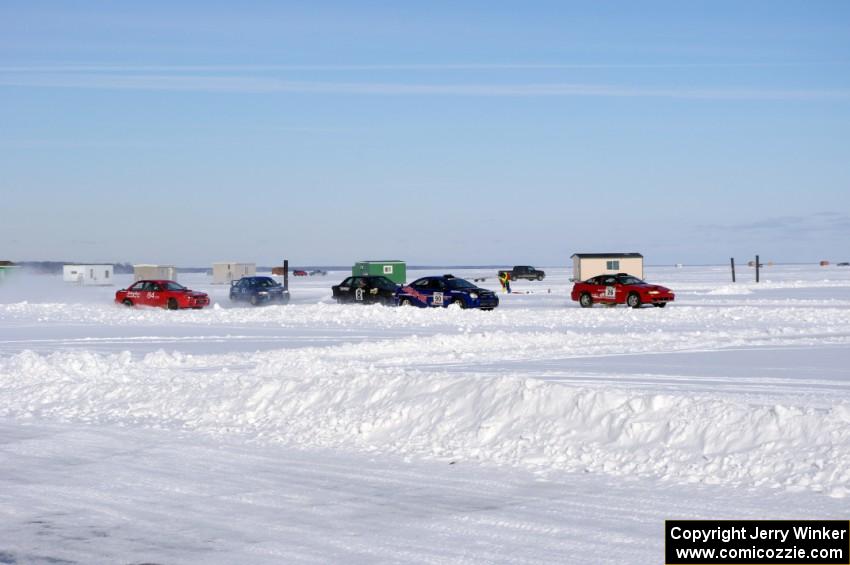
{"x":444,"y":291}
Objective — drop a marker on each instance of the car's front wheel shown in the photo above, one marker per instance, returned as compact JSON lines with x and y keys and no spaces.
{"x":540,"y":277}
{"x":633,"y":301}
{"x":585,"y":300}
{"x":172,"y":304}
{"x":660,"y":305}
{"x":127,"y":302}
{"x":254,"y":300}
{"x":405,"y":302}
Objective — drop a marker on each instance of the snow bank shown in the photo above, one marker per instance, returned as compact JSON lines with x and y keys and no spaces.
{"x":331,"y":397}
{"x":323,"y":316}
{"x":730,"y":290}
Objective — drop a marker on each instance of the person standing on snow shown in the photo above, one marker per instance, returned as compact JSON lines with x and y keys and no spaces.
{"x":505,"y":281}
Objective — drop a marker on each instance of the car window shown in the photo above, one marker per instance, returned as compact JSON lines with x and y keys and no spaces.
{"x":609,"y":280}
{"x":137,"y":287}
{"x":265,"y":282}
{"x":346,"y":282}
{"x":460,"y":284}
{"x":421,"y":284}
{"x":173,"y":286}
{"x":384,"y":283}
{"x":630,"y":280}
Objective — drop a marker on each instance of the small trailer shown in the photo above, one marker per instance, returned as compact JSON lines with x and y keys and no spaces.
{"x":154,"y":272}
{"x":225,"y":273}
{"x":89,"y":275}
{"x":587,"y":265}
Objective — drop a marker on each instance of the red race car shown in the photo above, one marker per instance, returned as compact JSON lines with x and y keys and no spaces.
{"x":165,"y":294}
{"x":620,"y":289}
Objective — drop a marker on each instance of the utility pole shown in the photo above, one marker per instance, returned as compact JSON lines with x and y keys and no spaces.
{"x":286,"y":274}
{"x":757,"y":268}
{"x":732,"y":260}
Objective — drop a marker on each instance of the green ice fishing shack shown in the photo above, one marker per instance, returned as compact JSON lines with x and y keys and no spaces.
{"x":396,"y":271}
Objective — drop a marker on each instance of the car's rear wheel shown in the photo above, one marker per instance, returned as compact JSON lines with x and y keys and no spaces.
{"x":254,"y":300}
{"x":633,"y":301}
{"x":172,"y":304}
{"x":405,"y":302}
{"x":540,"y":277}
{"x":660,"y":305}
{"x":460,"y":303}
{"x":585,"y":300}
{"x":127,"y":302}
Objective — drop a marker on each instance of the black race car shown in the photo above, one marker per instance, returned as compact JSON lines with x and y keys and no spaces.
{"x":258,"y":290}
{"x":367,"y":290}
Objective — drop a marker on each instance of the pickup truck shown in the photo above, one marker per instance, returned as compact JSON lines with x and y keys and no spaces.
{"x":525,"y":272}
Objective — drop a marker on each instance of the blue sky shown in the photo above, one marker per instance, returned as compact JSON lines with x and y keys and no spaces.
{"x":439,"y":132}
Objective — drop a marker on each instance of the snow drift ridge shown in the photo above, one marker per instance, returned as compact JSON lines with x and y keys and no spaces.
{"x":306,"y":398}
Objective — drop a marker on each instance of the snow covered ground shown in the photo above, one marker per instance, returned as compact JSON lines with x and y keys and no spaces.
{"x":314,"y":432}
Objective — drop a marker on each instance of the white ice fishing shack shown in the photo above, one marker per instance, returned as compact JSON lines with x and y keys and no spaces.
{"x":89,"y":275}
{"x":587,"y":265}
{"x":223,"y":273}
{"x":154,"y":272}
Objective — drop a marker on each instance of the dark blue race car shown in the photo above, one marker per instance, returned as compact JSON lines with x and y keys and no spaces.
{"x":258,"y":290}
{"x":446,"y":290}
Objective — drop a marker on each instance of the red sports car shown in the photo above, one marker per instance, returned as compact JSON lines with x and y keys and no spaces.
{"x":620,"y":289}
{"x":165,"y":294}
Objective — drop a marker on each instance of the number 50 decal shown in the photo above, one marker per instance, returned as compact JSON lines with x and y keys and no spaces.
{"x":438,"y":299}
